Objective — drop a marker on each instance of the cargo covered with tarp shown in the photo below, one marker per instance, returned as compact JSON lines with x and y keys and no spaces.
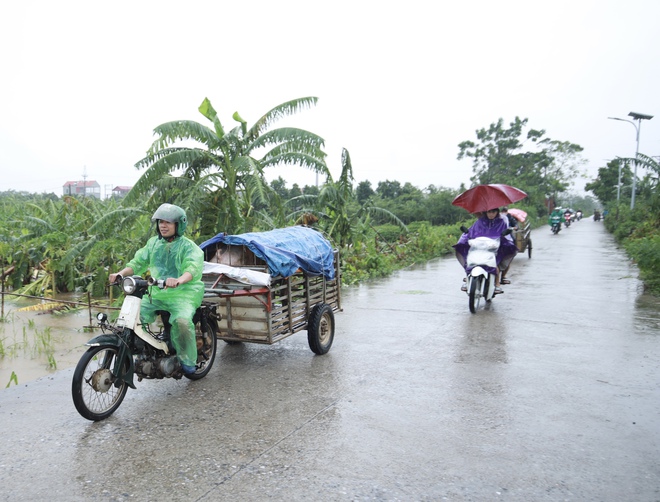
{"x":284,"y":250}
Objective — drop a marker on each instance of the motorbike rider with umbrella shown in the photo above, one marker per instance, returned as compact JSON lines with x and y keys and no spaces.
{"x":489,"y":224}
{"x":486,"y":200}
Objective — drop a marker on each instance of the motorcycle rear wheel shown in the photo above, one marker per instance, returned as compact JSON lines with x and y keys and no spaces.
{"x":93,"y":390}
{"x":206,"y":353}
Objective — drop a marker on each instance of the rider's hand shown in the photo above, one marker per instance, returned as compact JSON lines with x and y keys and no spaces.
{"x":171,"y":282}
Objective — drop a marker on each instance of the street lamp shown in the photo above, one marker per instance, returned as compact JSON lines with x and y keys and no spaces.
{"x":638,"y":117}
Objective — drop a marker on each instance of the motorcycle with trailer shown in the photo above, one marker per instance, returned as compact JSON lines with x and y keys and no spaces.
{"x":127,"y":350}
{"x":260,"y":287}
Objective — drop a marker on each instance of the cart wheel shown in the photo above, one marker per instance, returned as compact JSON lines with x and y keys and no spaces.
{"x":321,"y":328}
{"x":529,"y":249}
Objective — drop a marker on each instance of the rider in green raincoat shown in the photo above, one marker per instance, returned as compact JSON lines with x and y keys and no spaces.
{"x":171,"y":256}
{"x":557,"y":216}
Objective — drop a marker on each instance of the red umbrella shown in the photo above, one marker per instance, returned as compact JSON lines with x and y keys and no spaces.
{"x":484,"y":197}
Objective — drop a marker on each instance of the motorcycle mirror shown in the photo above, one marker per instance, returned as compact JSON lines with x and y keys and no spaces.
{"x":464,"y":229}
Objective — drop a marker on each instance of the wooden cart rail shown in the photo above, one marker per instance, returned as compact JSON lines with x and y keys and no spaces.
{"x":523,"y":238}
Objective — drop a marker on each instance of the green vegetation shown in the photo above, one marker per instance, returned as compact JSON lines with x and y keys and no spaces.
{"x":638,"y":229}
{"x":13,"y":378}
{"x":51,"y":245}
{"x":542,"y":167}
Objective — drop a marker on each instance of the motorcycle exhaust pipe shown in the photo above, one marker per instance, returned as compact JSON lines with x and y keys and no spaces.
{"x":168,"y":365}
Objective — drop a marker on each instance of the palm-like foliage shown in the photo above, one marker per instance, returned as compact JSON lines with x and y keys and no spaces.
{"x":70,"y":244}
{"x":648,"y":187}
{"x":219,"y":176}
{"x":341,"y":216}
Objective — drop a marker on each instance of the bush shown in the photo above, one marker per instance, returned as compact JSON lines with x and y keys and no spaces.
{"x":638,"y":231}
{"x":645,"y":251}
{"x":379,"y":257}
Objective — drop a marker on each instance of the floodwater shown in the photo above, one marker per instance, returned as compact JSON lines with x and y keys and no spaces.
{"x":34,"y":345}
{"x":549,"y":393}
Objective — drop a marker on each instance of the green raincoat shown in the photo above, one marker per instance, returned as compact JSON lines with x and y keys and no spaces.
{"x":166,"y":259}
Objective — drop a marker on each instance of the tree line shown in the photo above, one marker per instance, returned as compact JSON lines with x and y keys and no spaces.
{"x":636,"y":229}
{"x":62,"y":244}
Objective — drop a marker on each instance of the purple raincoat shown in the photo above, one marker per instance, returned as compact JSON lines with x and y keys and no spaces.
{"x":485,"y":227}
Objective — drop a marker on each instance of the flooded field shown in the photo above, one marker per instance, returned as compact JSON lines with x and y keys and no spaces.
{"x":35,"y":344}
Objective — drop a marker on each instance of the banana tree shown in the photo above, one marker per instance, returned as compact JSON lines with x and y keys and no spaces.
{"x":223,"y":172}
{"x":340,"y":215}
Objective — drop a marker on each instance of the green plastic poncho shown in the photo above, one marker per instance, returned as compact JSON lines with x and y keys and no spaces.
{"x":166,"y":259}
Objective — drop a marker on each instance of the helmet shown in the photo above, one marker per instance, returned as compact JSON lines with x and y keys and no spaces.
{"x":173,"y":214}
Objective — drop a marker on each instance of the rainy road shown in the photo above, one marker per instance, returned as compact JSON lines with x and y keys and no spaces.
{"x":551,"y":393}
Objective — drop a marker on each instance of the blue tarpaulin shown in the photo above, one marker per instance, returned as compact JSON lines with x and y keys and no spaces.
{"x":285,"y":250}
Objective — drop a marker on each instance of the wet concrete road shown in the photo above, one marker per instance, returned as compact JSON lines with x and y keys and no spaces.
{"x":551,"y":393}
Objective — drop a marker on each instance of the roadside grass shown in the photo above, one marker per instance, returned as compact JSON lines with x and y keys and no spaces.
{"x":638,"y":231}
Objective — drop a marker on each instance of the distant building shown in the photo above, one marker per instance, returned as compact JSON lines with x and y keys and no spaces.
{"x":120,"y":191}
{"x":82,"y":188}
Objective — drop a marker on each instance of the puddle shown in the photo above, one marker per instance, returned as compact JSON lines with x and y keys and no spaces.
{"x":34,"y":345}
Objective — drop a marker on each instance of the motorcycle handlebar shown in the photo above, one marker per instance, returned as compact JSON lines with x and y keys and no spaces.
{"x":160,"y":283}
{"x":157,"y":282}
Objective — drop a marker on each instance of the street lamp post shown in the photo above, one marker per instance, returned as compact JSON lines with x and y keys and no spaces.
{"x":639,"y":117}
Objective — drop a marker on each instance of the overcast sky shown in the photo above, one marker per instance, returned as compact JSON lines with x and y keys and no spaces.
{"x":400,"y":84}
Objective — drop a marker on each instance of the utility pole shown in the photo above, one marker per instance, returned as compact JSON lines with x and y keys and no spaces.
{"x":84,"y":181}
{"x":639,"y":117}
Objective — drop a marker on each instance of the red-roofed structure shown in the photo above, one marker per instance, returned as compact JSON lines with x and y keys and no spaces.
{"x":82,"y":188}
{"x":120,"y":191}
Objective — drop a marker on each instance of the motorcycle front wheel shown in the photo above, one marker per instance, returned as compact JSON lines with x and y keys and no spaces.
{"x":475,"y":293}
{"x":94,"y":393}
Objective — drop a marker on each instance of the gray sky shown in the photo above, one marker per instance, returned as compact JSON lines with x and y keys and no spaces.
{"x":400,"y":84}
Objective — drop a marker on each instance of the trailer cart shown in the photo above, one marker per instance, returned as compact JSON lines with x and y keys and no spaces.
{"x":270,"y":285}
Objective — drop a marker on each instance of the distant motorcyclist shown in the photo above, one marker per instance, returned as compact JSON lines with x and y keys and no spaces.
{"x":513,"y":223}
{"x":556,"y":218}
{"x":510,"y":219}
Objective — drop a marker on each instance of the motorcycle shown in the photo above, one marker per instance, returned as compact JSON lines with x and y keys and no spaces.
{"x":127,"y":349}
{"x":578,"y":215}
{"x":480,"y":283}
{"x":567,"y":219}
{"x":555,"y":224}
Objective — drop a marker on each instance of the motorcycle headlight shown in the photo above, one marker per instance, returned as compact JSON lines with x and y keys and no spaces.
{"x":101,"y":317}
{"x":128,"y":285}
